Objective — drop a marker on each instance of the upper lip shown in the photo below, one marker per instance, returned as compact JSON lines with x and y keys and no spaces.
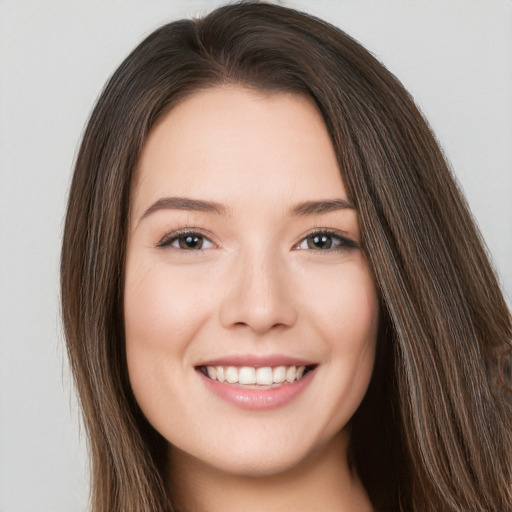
{"x":257,"y":360}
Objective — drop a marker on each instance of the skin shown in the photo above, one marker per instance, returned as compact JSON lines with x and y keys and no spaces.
{"x":259,"y":285}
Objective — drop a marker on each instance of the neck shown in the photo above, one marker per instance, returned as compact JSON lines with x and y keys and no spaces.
{"x":323,"y":481}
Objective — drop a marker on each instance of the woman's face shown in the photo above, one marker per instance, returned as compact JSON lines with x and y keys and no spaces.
{"x":251,"y":314}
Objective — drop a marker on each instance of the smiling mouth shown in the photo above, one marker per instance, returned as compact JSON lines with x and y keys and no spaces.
{"x":258,"y":377}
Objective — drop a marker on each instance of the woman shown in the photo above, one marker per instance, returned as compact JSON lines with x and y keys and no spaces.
{"x":274,"y":295}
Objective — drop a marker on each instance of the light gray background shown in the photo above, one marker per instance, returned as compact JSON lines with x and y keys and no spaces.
{"x":454,"y":56}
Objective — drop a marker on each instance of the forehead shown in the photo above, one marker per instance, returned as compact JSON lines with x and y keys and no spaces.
{"x":232,"y":144}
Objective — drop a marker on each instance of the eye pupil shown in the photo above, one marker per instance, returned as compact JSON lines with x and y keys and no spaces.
{"x":190,"y":242}
{"x":320,"y":242}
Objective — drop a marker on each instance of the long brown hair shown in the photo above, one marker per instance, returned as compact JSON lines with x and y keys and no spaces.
{"x":434,"y":431}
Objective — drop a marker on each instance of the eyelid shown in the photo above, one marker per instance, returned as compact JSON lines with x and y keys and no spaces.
{"x":171,"y":236}
{"x":346,"y":242}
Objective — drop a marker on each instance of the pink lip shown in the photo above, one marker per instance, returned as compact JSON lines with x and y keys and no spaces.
{"x":257,"y":360}
{"x":257,"y":399}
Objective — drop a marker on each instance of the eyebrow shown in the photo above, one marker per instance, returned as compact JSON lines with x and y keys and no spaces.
{"x":185,"y":203}
{"x":319,"y":207}
{"x":302,"y":209}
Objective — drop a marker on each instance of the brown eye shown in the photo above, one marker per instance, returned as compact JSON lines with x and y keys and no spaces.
{"x":188,"y":241}
{"x":319,"y":241}
{"x":326,"y":241}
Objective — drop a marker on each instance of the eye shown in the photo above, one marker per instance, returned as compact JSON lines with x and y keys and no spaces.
{"x":187,"y":240}
{"x":326,"y":240}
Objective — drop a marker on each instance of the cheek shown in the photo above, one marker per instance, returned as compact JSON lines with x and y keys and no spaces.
{"x":346,"y":308}
{"x":163,"y":306}
{"x":357,"y":325}
{"x":358,"y":330}
{"x":347,"y":316}
{"x":162,"y":314}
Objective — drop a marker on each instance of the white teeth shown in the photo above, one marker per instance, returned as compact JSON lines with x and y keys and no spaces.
{"x":248,"y":375}
{"x":290,"y":374}
{"x":231,"y":374}
{"x":279,"y":374}
{"x":264,"y":376}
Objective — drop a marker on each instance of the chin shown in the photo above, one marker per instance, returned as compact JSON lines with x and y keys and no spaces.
{"x":249,"y":466}
{"x":267,"y":459}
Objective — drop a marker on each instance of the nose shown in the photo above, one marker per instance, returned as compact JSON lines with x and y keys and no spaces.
{"x":258,"y":295}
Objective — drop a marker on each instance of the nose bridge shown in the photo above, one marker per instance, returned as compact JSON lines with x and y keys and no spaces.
{"x":258,"y":293}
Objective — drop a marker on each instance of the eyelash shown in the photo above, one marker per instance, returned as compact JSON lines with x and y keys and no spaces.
{"x":168,"y":239}
{"x":343,"y":241}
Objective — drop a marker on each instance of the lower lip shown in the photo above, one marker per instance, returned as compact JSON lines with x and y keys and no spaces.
{"x":258,"y":399}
